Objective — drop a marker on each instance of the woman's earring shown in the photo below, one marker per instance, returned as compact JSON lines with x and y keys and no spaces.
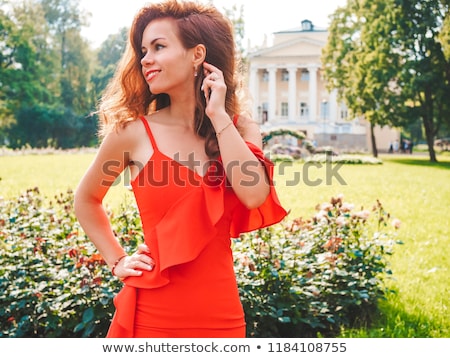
{"x":195,"y":71}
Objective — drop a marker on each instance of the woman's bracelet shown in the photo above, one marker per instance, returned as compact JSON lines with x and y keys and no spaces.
{"x":221,"y":131}
{"x":116,"y":263}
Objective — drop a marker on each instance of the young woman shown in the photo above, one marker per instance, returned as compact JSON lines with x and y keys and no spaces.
{"x":171,"y":115}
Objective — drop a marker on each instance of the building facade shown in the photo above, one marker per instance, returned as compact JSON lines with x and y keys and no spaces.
{"x":289,"y":91}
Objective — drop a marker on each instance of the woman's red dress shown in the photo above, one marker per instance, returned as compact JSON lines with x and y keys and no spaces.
{"x":188,"y":221}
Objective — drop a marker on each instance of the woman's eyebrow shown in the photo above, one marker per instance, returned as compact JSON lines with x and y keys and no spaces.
{"x":156,"y":39}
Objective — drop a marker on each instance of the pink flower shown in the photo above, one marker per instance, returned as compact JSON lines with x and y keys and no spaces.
{"x":326,"y":206}
{"x":346,"y":207}
{"x":363,"y":214}
{"x":396,"y":223}
{"x":340,"y":221}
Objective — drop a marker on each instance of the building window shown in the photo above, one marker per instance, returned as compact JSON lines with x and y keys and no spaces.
{"x":324,"y":112}
{"x":304,"y":113}
{"x":285,"y":76}
{"x":265,"y":109}
{"x":304,"y":75}
{"x":343,"y":112}
{"x":265,"y":76}
{"x":307,"y":25}
{"x":284,"y":109}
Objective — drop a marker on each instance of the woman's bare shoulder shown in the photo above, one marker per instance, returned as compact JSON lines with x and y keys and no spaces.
{"x":125,"y":137}
{"x":128,"y":130}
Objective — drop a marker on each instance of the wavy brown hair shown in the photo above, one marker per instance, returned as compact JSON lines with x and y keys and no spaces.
{"x":128,"y":96}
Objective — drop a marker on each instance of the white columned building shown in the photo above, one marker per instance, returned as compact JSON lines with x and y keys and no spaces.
{"x":288,"y":90}
{"x":272,"y":91}
{"x":292,"y":98}
{"x":312,"y":104}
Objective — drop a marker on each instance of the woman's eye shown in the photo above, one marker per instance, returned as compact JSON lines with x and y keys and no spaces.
{"x":158,"y":47}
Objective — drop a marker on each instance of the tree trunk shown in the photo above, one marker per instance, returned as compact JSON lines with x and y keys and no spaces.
{"x":428,"y":124}
{"x":429,"y":134}
{"x":373,"y":140}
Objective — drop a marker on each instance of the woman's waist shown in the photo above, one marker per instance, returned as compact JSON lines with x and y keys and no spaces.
{"x":195,"y":305}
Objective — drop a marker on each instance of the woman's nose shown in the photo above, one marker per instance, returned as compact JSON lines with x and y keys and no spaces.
{"x":147,"y":59}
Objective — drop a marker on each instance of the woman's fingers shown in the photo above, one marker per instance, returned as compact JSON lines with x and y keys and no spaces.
{"x":214,"y":89}
{"x":142,"y":259}
{"x":141,"y":263}
{"x":134,"y":265}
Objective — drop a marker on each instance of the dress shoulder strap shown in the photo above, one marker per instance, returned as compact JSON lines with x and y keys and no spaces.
{"x":235,"y":119}
{"x":149,"y":132}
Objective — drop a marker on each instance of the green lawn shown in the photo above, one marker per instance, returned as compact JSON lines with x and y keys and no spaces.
{"x":410,"y":188}
{"x":51,"y":173}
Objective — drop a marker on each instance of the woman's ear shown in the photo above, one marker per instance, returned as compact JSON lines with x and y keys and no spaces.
{"x":199,"y":54}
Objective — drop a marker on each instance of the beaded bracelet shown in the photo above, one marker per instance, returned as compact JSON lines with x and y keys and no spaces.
{"x":116,"y":263}
{"x":221,"y":131}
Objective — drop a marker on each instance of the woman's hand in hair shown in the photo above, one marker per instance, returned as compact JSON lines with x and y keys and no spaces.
{"x":214,"y":89}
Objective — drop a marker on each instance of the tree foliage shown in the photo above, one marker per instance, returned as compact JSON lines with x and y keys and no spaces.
{"x":45,"y":75}
{"x":386,"y":59}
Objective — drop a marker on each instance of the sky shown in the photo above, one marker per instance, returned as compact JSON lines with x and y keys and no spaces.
{"x":261,"y":18}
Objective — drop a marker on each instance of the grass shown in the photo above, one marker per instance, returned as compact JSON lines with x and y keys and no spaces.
{"x":51,"y":173}
{"x":409,"y":187}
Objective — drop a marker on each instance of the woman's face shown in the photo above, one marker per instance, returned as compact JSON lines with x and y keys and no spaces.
{"x":166,"y":65}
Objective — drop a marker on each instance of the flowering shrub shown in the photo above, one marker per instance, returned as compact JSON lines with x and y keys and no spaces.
{"x":311,"y":277}
{"x":296,"y":278}
{"x":53,"y":283}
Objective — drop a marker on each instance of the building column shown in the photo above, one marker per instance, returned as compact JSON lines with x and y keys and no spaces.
{"x":254,"y":91}
{"x":272,"y":92}
{"x":333,"y":106}
{"x":292,"y":101}
{"x":312,"y":93}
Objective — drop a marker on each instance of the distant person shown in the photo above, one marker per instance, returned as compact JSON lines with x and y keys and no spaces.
{"x":405,"y":146}
{"x":391,"y":148}
{"x":171,"y":115}
{"x":396,"y":146}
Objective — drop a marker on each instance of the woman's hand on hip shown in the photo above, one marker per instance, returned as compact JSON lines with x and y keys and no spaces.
{"x":134,"y":265}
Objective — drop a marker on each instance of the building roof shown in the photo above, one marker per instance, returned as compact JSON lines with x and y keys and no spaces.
{"x":298,"y":44}
{"x":306,"y":26}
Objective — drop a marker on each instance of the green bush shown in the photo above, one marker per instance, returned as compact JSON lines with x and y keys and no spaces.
{"x":309,"y":278}
{"x":52,"y":281}
{"x":299,"y":278}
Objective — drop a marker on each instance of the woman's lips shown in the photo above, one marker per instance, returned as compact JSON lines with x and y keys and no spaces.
{"x":150,"y":75}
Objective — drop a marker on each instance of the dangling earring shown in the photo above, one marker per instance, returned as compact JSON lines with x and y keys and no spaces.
{"x":195,"y":71}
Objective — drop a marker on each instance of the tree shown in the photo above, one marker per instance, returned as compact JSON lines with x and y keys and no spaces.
{"x":237,"y":18}
{"x":24,"y":62}
{"x":445,"y":36}
{"x":108,"y":56}
{"x":65,"y":21}
{"x":385,"y":59}
{"x":7,"y":27}
{"x":45,"y":74}
{"x":425,"y":72}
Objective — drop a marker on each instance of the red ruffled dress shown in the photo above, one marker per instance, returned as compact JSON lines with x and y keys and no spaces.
{"x":188,"y":221}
